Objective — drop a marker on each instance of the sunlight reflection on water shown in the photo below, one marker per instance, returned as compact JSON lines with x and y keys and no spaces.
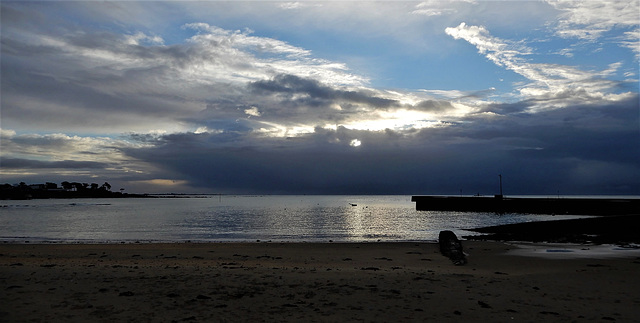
{"x":238,"y":218}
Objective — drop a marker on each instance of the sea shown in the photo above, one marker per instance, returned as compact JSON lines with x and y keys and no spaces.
{"x":238,"y":218}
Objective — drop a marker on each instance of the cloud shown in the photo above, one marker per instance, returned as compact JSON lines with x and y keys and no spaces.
{"x":292,"y":85}
{"x":140,"y":38}
{"x":38,"y":164}
{"x":145,"y":84}
{"x":252,"y":112}
{"x":591,"y":19}
{"x":437,"y":8}
{"x":66,"y":157}
{"x":289,"y":105}
{"x":188,"y":97}
{"x":538,"y":153}
{"x":291,"y":5}
{"x":631,"y":40}
{"x":552,"y":85}
{"x":435,"y":106}
{"x":58,"y":146}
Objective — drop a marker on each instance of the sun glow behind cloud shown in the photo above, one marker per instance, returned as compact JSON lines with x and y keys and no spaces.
{"x":275,"y":130}
{"x":398,"y":120}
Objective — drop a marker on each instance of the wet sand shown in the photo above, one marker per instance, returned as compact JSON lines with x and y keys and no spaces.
{"x":311,"y":282}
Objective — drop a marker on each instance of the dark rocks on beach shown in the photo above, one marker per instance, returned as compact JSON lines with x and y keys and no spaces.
{"x":620,"y":229}
{"x":450,"y":246}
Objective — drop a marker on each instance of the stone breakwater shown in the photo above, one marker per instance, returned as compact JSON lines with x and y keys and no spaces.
{"x":501,"y":204}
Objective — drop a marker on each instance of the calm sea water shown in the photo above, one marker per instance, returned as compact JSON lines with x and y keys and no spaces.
{"x":237,"y":218}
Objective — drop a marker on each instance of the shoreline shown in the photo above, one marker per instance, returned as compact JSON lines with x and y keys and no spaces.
{"x":375,"y":282}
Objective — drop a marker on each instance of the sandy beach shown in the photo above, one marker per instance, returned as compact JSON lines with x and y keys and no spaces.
{"x":312,"y":282}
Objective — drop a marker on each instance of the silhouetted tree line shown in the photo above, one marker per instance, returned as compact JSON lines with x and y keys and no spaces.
{"x":66,"y":189}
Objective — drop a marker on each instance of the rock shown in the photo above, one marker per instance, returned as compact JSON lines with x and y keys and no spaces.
{"x":451,"y":247}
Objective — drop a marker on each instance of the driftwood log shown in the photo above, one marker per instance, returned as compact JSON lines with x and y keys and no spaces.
{"x":451,"y":247}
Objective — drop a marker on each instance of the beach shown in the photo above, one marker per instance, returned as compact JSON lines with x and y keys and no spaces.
{"x":312,"y":282}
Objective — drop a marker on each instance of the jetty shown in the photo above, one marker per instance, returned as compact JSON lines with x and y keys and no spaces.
{"x":526,"y":205}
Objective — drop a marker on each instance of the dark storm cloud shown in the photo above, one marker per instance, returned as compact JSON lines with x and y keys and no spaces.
{"x":291,"y":84}
{"x":577,"y":150}
{"x":605,"y":132}
{"x":303,"y":165}
{"x":508,"y":108}
{"x":290,"y":101}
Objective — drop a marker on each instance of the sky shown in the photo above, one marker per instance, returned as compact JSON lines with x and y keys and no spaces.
{"x":328,"y":97}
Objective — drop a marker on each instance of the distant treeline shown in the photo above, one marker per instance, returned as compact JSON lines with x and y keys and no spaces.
{"x":66,"y":189}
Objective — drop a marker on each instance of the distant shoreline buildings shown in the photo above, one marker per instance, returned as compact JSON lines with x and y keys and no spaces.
{"x":49,"y":190}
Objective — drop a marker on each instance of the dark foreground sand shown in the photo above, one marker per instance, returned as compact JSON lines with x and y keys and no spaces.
{"x":331,"y":282}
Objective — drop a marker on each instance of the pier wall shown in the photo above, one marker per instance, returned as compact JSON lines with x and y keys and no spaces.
{"x":500,"y":204}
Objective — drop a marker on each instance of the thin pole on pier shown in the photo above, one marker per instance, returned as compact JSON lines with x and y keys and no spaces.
{"x":500,"y":184}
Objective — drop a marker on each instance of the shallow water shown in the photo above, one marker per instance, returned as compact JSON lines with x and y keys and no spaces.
{"x":237,"y":218}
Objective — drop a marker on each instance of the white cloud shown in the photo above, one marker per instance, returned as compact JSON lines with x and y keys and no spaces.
{"x":253,"y":112}
{"x":437,"y":8}
{"x":217,"y":36}
{"x":498,"y":50}
{"x":548,"y":81}
{"x":631,"y":40}
{"x":140,"y":38}
{"x":7,"y":133}
{"x":591,"y":19}
{"x":291,"y":5}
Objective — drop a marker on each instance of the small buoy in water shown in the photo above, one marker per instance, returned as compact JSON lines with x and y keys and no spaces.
{"x":353,"y":204}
